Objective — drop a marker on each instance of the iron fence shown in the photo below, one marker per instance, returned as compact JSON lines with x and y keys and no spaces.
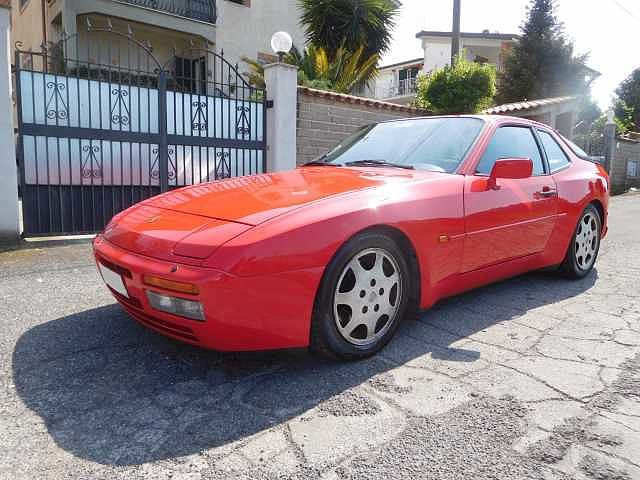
{"x":104,"y":125}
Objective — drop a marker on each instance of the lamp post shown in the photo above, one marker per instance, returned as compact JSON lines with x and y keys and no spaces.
{"x":281,"y":80}
{"x":281,"y":44}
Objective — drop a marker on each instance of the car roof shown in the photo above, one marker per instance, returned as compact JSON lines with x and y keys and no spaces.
{"x":485,"y":118}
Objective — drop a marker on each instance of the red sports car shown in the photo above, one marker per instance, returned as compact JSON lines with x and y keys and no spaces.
{"x":334,"y":254}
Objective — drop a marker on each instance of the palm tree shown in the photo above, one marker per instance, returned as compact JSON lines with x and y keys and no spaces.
{"x":352,"y":24}
{"x":255,"y":75}
{"x":346,"y":72}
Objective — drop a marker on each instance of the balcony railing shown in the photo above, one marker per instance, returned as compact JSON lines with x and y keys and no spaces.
{"x":204,"y":10}
{"x":403,"y":88}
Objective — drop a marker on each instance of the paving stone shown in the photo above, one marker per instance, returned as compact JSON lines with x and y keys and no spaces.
{"x":500,"y":381}
{"x":552,"y":413}
{"x":598,"y":352}
{"x":574,"y":379}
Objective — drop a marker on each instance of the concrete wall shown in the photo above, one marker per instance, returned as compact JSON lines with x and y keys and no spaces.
{"x":626,"y":151}
{"x":69,"y":10}
{"x":247,"y":30}
{"x":109,"y":49}
{"x":241,"y":30}
{"x":326,"y":118}
{"x":26,"y":24}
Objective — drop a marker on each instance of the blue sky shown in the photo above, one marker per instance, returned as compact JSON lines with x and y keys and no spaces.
{"x":607,"y":29}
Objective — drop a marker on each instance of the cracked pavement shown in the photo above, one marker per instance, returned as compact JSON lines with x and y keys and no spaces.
{"x":536,"y":377}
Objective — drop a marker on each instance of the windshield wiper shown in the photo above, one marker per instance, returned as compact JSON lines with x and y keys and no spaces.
{"x":320,"y":163}
{"x":379,"y":163}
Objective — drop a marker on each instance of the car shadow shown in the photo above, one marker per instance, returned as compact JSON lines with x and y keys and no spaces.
{"x":115,"y":393}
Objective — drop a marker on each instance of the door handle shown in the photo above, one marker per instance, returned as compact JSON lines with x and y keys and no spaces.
{"x":548,"y":192}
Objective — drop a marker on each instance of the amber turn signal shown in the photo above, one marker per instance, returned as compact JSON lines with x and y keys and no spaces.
{"x":172,"y":285}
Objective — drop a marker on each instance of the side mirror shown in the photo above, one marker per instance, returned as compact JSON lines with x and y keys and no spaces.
{"x":510,"y":168}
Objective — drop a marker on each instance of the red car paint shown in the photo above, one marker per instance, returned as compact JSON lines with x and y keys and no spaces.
{"x":257,"y":246}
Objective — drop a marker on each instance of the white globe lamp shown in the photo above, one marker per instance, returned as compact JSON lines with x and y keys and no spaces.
{"x":281,"y":43}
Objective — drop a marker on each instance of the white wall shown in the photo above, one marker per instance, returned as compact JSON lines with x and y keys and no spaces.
{"x":8,"y":171}
{"x":437,"y":53}
{"x":245,"y":31}
{"x":384,"y":82}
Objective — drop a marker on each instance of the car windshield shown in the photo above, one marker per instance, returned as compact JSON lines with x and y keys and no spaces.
{"x":435,"y":144}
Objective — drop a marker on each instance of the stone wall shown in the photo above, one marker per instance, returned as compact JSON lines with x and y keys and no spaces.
{"x":624,"y":172}
{"x":325,"y":118}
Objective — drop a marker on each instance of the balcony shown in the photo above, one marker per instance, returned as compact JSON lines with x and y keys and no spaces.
{"x":403,"y":88}
{"x":203,"y":10}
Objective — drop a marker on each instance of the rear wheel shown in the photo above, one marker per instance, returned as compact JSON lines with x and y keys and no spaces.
{"x":362,"y":299}
{"x":585,"y":244}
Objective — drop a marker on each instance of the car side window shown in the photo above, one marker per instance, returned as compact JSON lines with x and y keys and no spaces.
{"x":555,"y":155}
{"x":511,"y":142}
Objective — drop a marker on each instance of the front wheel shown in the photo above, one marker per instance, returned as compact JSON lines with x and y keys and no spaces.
{"x":585,"y":244}
{"x":362,"y":299}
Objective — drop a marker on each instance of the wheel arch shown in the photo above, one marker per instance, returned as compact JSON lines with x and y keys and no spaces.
{"x":410,"y":255}
{"x":600,"y":207}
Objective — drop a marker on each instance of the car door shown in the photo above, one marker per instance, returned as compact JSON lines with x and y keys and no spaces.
{"x":517,"y":218}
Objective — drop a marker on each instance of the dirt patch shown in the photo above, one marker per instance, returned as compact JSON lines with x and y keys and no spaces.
{"x":472,"y":440}
{"x":350,"y":404}
{"x":599,"y":470}
{"x":387,"y":384}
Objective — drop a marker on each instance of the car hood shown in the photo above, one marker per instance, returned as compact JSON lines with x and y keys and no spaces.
{"x":256,"y":199}
{"x":189,"y":224}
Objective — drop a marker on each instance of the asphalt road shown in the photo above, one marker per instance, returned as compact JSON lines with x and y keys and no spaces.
{"x":535,"y":377}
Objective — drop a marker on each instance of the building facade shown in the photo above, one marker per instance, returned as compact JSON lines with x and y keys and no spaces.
{"x":397,"y":82}
{"x":236,"y":27}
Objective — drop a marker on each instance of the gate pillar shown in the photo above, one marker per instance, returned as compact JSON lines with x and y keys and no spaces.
{"x":9,"y":220}
{"x":282,"y":89}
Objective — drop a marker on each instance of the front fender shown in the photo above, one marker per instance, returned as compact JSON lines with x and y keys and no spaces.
{"x":310,"y":236}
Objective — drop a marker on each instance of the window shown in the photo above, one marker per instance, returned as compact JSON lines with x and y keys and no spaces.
{"x":555,"y":155}
{"x":407,"y":80}
{"x":633,"y":168}
{"x":190,"y":74}
{"x":511,"y":142}
{"x":576,"y":149}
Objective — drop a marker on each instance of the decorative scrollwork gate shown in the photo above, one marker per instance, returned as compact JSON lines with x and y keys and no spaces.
{"x":102,"y":124}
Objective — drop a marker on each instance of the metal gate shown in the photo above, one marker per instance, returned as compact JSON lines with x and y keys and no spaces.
{"x":102,"y":124}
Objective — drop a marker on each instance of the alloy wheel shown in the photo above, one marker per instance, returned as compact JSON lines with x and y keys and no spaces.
{"x":367,"y":296}
{"x":586,"y":241}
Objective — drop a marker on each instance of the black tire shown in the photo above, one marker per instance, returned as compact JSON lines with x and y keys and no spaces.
{"x":575,"y":266}
{"x":326,"y":339}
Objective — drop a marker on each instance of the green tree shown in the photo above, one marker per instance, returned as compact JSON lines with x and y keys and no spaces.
{"x":588,"y":132}
{"x":349,"y":24}
{"x":542,"y":64}
{"x":466,"y":87}
{"x":627,"y":105}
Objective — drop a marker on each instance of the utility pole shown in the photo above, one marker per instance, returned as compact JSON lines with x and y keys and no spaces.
{"x":455,"y":34}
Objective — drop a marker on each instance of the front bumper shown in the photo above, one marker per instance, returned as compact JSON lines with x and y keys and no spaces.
{"x":242,"y":313}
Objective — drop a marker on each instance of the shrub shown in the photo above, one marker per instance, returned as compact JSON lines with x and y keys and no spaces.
{"x":465,"y":87}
